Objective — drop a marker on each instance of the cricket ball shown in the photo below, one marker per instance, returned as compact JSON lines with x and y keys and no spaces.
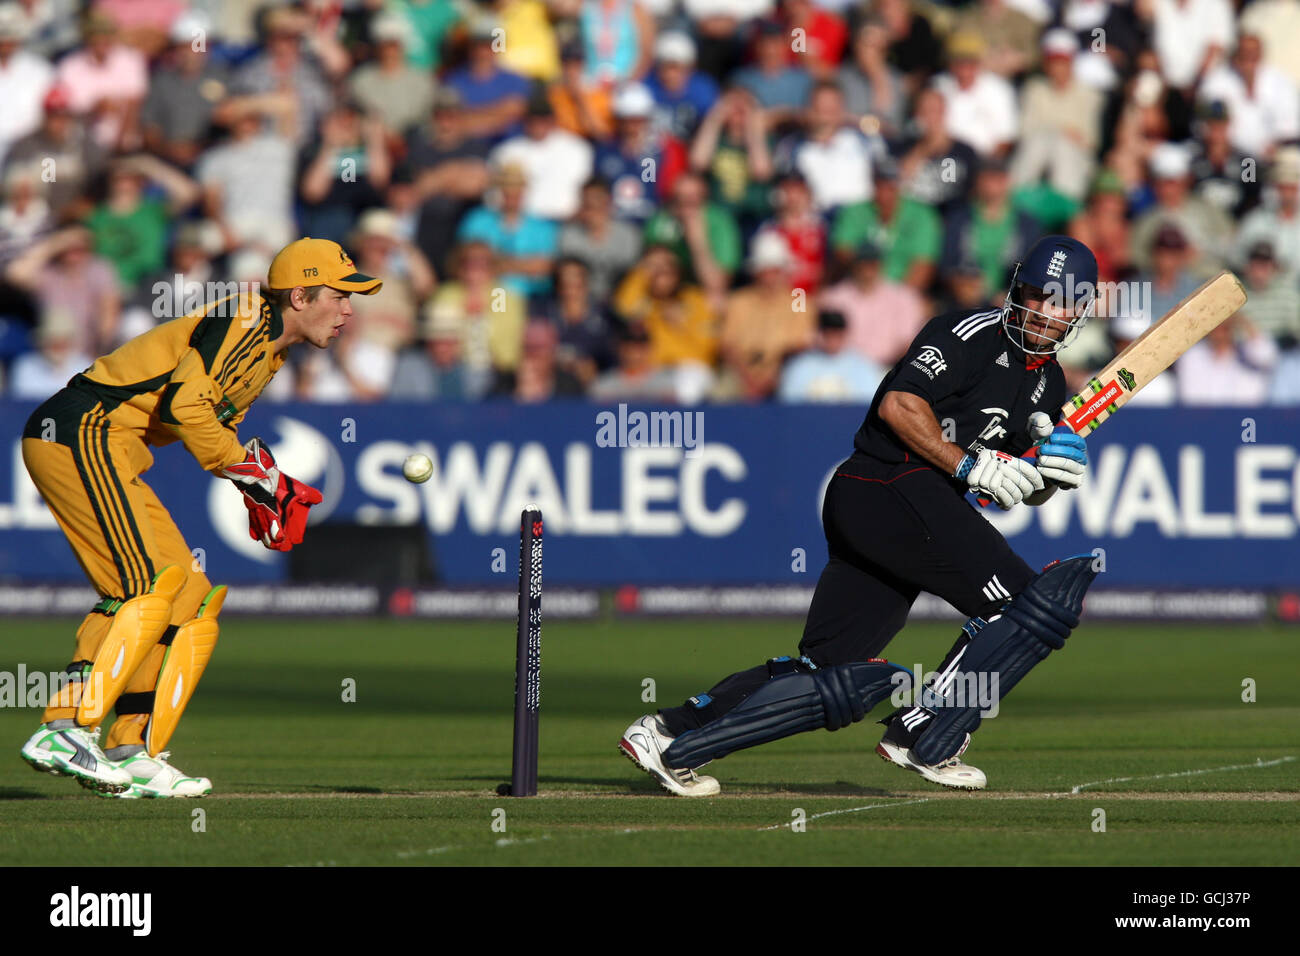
{"x":417,"y":468}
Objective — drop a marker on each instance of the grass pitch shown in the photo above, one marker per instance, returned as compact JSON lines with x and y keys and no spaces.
{"x":1145,"y":723}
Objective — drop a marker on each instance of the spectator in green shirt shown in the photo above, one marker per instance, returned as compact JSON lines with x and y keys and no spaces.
{"x":130,"y":227}
{"x":431,"y":21}
{"x":906,"y":230}
{"x":732,"y":149}
{"x":989,"y":228}
{"x":702,"y":233}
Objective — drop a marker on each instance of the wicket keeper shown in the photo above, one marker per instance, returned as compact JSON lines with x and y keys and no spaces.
{"x":142,"y":649}
{"x":971,"y":407}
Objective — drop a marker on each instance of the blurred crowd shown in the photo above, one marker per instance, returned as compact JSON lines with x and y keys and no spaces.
{"x":658,"y":200}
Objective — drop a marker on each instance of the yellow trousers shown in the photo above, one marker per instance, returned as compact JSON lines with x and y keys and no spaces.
{"x":122,"y":535}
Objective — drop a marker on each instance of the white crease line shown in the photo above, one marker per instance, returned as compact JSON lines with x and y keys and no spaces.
{"x":432,"y":851}
{"x":1185,"y":773}
{"x":504,"y":842}
{"x":831,"y":813}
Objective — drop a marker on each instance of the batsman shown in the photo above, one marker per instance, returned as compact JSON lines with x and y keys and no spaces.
{"x":971,"y":408}
{"x":142,"y":649}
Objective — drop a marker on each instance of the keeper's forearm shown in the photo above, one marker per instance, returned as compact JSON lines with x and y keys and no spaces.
{"x":912,"y":420}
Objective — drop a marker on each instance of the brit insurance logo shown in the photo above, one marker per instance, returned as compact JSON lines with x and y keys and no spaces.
{"x":302,"y":452}
{"x":930,"y":361}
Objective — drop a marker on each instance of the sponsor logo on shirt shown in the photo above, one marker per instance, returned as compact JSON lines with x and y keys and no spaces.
{"x":994,"y":431}
{"x":930,"y":361}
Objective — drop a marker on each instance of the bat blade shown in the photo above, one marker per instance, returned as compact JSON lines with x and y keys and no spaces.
{"x":1153,"y":352}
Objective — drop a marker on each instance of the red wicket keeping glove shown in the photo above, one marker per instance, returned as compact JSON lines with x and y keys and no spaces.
{"x":277,"y":505}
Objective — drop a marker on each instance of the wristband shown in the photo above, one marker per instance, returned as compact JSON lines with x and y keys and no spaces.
{"x":963,"y":467}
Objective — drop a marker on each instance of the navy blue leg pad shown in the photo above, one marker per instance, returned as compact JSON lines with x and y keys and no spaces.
{"x":790,"y":703}
{"x":1036,"y":623}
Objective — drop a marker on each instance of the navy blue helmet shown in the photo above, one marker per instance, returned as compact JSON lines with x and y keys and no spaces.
{"x":1053,"y":293}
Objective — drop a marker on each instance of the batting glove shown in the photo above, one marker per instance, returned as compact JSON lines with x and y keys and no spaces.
{"x":277,"y":505}
{"x":1063,"y":458}
{"x":1040,"y":426}
{"x":996,"y":475}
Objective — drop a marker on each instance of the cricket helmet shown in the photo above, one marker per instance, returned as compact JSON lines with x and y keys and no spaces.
{"x":1061,"y":272}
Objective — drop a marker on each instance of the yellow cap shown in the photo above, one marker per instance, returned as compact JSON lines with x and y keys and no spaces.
{"x":309,"y":262}
{"x":965,"y":44}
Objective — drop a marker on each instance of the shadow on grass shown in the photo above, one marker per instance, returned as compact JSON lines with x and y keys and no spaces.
{"x":19,"y":793}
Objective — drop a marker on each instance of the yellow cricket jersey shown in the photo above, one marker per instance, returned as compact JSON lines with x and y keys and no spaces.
{"x":192,"y":379}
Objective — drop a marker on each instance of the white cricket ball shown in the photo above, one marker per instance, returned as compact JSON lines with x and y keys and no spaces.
{"x":417,"y":468}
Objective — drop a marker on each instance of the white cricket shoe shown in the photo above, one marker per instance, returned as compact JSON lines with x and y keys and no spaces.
{"x":950,"y":773}
{"x":153,"y":777}
{"x":644,"y":743}
{"x":75,"y":752}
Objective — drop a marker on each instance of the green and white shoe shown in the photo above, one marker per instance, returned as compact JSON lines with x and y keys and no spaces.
{"x":74,"y":751}
{"x":154,"y":777}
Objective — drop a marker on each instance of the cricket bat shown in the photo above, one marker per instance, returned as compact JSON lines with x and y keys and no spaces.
{"x":1153,"y":352}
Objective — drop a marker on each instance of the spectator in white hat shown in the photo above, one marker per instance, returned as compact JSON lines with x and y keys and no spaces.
{"x":177,"y":115}
{"x":1203,"y":225}
{"x":37,"y":375}
{"x":436,"y":370}
{"x":641,"y":162}
{"x":25,"y":214}
{"x":763,"y":324}
{"x":388,"y":318}
{"x":683,"y":95}
{"x":389,"y":87}
{"x":1262,"y":101}
{"x":1060,"y":122}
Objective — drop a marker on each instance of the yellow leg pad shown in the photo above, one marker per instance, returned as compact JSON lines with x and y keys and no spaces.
{"x":137,"y":626}
{"x":186,"y":658}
